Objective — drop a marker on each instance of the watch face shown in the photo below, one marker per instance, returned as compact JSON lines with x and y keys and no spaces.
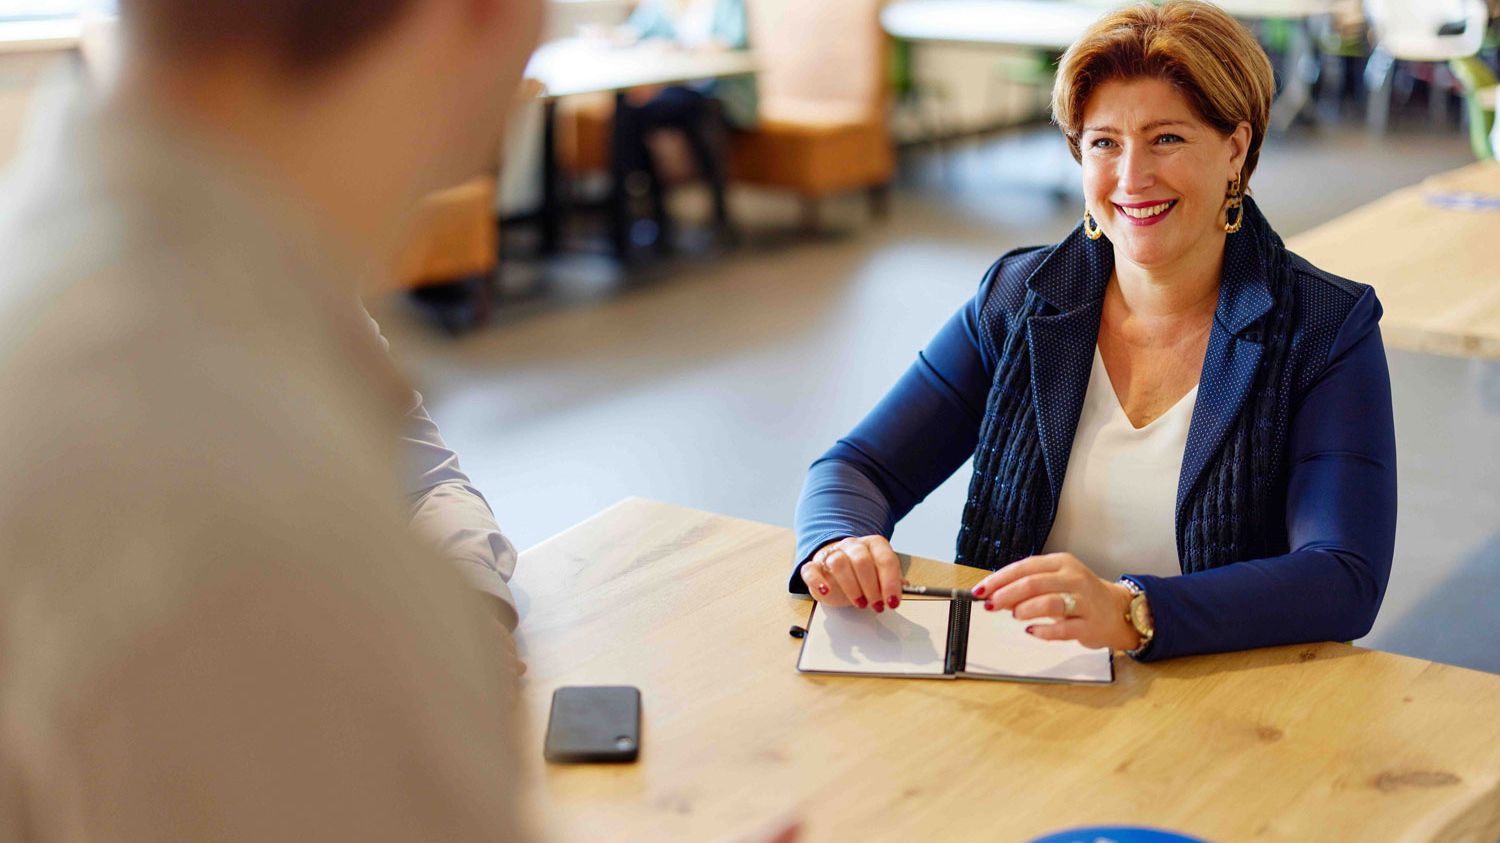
{"x":1138,"y":617}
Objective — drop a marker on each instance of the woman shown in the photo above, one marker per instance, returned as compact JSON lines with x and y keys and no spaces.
{"x":696,"y":110}
{"x":1181,"y":432}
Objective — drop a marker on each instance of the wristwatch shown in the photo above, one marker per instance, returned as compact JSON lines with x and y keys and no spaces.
{"x":1138,"y":615}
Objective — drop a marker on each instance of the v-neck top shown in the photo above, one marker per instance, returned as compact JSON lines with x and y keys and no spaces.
{"x":1117,"y":509}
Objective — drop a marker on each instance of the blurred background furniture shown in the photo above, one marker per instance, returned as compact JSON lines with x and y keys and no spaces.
{"x":1479,"y":85}
{"x":455,"y":236}
{"x":1024,"y":39}
{"x":451,"y":261}
{"x":1431,"y":32}
{"x":1292,"y":22}
{"x":823,"y":103}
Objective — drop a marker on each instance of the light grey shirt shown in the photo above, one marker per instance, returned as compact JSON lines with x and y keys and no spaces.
{"x":450,"y":512}
{"x":216,"y":623}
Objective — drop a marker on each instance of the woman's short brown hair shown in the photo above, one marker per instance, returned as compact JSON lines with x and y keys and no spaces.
{"x":303,"y":35}
{"x":1197,"y":47}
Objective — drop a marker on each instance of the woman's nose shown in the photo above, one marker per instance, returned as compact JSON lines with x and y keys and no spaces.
{"x":1137,"y":171}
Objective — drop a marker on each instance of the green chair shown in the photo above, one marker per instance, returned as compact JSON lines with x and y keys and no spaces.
{"x":1479,"y":84}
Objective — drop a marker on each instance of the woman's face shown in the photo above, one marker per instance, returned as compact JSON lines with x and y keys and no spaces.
{"x":1154,"y":175}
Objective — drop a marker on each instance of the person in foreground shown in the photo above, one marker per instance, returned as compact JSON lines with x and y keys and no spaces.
{"x":218,"y":621}
{"x":1181,"y":433}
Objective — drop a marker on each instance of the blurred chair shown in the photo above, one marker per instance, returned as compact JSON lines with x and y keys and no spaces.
{"x":1417,"y":31}
{"x":1479,"y":84}
{"x":455,"y":233}
{"x":450,"y":262}
{"x":455,"y":236}
{"x":823,"y":106}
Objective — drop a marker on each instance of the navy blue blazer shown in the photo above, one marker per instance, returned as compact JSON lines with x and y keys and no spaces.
{"x":1333,"y":422}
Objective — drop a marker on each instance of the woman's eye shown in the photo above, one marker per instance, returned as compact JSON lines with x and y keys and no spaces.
{"x":1169,"y":139}
{"x":1102,"y":143}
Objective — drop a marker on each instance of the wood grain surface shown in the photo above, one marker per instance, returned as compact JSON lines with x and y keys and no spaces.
{"x":1314,"y":742}
{"x":1436,"y":269}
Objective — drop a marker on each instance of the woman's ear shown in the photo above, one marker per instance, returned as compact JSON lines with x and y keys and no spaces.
{"x":1239,"y":148}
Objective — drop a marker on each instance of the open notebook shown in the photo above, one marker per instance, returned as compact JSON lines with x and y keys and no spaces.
{"x":943,"y":639}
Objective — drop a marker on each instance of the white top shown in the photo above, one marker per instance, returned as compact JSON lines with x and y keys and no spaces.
{"x":1117,"y":510}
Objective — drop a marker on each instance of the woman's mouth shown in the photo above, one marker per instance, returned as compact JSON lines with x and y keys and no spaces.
{"x":1146,"y":213}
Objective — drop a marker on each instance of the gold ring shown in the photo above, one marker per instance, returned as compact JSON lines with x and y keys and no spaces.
{"x":1069,"y":603}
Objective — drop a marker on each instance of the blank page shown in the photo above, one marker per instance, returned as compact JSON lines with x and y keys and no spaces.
{"x":1000,"y":647}
{"x":911,"y":640}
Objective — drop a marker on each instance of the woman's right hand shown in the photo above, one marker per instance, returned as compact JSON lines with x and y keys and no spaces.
{"x":862,"y":572}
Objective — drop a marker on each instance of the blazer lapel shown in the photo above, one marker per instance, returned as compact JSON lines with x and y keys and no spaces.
{"x":1062,"y":355}
{"x":1231,"y":362}
{"x":1061,"y":343}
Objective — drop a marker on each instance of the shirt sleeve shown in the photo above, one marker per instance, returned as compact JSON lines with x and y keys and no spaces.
{"x":1341,"y":522}
{"x":449,"y":512}
{"x":914,"y":439}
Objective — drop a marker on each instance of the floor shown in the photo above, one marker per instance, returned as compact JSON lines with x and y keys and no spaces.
{"x":713,"y":382}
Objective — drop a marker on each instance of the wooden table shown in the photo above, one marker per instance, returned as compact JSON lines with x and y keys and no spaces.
{"x":1436,"y":269}
{"x":1315,"y":742}
{"x":574,"y":66}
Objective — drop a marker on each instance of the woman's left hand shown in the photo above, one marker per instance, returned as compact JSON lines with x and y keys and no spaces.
{"x":1040,"y":587}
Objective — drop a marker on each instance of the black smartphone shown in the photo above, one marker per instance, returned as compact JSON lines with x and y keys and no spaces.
{"x":594,"y":724}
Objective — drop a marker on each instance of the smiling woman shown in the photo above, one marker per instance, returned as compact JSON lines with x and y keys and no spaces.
{"x":1181,"y":433}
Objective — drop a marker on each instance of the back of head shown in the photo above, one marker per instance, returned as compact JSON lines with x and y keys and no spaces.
{"x":302,"y":35}
{"x":330,"y":93}
{"x":1197,"y":47}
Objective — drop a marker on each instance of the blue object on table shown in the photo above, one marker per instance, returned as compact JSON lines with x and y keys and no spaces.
{"x":1117,"y":834}
{"x":1465,"y":201}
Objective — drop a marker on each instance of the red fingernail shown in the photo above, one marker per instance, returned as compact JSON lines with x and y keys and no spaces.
{"x":1030,"y":630}
{"x":879,"y":606}
{"x":895,"y":601}
{"x":978,"y":591}
{"x":989,"y":607}
{"x":823,"y":589}
{"x":861,"y":602}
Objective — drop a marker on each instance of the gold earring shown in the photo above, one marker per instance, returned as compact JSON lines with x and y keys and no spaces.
{"x":1093,"y":233}
{"x":1235,"y":199}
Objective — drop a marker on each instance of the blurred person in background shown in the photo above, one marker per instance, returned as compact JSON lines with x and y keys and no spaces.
{"x":700,"y":111}
{"x":1181,"y":433}
{"x":218,"y":622}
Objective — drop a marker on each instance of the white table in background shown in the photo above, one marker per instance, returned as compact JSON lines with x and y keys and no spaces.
{"x":1038,"y":24}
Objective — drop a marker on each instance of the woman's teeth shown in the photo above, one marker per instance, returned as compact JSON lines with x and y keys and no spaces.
{"x":1148,"y":212}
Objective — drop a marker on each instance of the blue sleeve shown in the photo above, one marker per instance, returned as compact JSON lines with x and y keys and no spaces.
{"x":914,"y":439}
{"x":1341,"y":522}
{"x":650,"y":20}
{"x":729,"y":24}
